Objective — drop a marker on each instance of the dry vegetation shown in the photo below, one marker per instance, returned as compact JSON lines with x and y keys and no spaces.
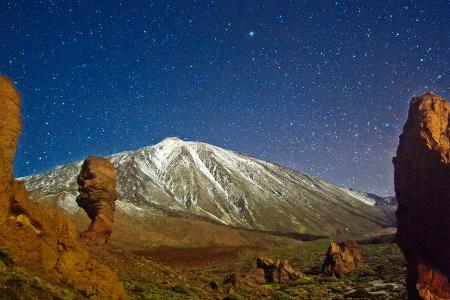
{"x":201,"y":272}
{"x":143,"y":254}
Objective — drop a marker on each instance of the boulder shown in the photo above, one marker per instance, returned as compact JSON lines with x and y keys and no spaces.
{"x":42,"y":240}
{"x":341,"y":258}
{"x":422,"y":188}
{"x":277,"y":271}
{"x":97,"y":187}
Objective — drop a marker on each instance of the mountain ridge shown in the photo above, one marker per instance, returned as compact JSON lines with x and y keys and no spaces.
{"x":223,"y":185}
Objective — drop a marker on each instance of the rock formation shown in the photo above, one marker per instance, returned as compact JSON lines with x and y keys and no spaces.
{"x":279,"y":271}
{"x":97,"y":187}
{"x":422,"y":187}
{"x":42,"y":240}
{"x":10,"y":128}
{"x":341,"y":258}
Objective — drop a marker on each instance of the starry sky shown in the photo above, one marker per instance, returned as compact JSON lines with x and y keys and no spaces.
{"x":318,"y":86}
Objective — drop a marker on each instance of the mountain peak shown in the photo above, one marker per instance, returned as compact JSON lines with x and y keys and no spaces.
{"x":170,"y":140}
{"x":201,"y":179}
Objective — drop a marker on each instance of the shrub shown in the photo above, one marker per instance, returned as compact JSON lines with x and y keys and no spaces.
{"x":180,"y":289}
{"x":213,"y":284}
{"x":360,"y":293}
{"x":364,"y":271}
{"x":329,"y":279}
{"x":18,"y":275}
{"x":233,"y":296}
{"x":280,"y":295}
{"x":305,"y":280}
{"x":6,"y":257}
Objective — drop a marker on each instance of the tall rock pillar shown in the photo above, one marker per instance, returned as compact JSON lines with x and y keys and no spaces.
{"x":422,"y":188}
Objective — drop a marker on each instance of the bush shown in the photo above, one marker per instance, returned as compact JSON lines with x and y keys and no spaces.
{"x":139,"y":287}
{"x":213,"y":284}
{"x":280,"y":295}
{"x":305,"y":280}
{"x":364,"y":271}
{"x":360,"y":293}
{"x":18,"y":275}
{"x":329,"y":279}
{"x":180,"y":289}
{"x":6,"y":257}
{"x":233,"y":296}
{"x":336,"y":288}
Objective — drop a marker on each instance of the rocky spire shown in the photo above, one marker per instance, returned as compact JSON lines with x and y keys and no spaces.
{"x":10,"y":128}
{"x":422,"y":187}
{"x":97,"y":187}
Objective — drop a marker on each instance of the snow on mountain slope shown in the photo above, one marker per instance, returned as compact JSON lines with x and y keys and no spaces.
{"x":200,"y":179}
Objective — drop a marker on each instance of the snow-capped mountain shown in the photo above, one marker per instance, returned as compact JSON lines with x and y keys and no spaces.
{"x":202,"y":180}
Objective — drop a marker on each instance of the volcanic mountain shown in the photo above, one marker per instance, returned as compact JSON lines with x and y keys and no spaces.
{"x":184,"y":178}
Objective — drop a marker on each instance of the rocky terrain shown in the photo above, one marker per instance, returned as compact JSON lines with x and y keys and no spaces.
{"x":422,"y":186}
{"x":231,"y":273}
{"x":183,"y":178}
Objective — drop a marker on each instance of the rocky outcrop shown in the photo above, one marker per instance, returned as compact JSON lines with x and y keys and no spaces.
{"x":10,"y":128}
{"x":422,"y":187}
{"x":341,"y":258}
{"x":97,"y":187}
{"x":42,"y":240}
{"x":277,"y":271}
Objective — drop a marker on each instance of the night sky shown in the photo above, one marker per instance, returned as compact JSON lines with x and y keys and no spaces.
{"x":319,"y":86}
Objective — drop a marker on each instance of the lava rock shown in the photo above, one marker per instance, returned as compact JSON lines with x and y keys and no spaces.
{"x":341,"y":258}
{"x":10,"y":128}
{"x":97,"y":187}
{"x":277,"y":271}
{"x":422,"y":187}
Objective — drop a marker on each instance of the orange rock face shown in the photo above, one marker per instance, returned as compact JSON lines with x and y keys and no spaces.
{"x":42,"y":240}
{"x":422,"y":187}
{"x":10,"y":128}
{"x":342,"y":258}
{"x":97,"y":187}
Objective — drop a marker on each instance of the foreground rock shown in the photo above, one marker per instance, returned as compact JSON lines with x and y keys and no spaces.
{"x":266,"y":271}
{"x":97,"y":187}
{"x":42,"y":240}
{"x":422,"y":187}
{"x":10,"y":128}
{"x":341,"y":258}
{"x":277,"y":271}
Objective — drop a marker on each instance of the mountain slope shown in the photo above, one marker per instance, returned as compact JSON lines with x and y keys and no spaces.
{"x":224,"y":186}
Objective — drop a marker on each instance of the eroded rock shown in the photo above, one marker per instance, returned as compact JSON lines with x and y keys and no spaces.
{"x":42,"y":240}
{"x":10,"y":128}
{"x":97,"y":187}
{"x":422,"y":187}
{"x":277,"y":271}
{"x":341,"y":258}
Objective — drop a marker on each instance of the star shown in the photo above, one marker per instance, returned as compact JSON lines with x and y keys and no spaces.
{"x":311,"y":89}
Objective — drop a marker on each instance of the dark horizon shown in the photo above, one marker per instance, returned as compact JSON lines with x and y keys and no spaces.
{"x":322,"y":88}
